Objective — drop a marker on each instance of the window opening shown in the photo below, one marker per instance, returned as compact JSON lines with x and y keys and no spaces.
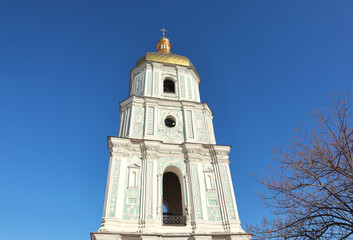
{"x":172,"y":200}
{"x":168,"y":86}
{"x":169,"y":121}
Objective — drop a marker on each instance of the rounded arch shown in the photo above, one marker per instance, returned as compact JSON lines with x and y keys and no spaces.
{"x":173,"y":191}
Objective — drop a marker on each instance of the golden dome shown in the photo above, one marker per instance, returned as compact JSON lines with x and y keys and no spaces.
{"x":164,"y":45}
{"x":164,"y":57}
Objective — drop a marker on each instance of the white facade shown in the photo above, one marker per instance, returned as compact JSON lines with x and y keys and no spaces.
{"x":148,"y":147}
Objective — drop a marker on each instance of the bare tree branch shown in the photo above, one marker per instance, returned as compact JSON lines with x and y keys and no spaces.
{"x":311,"y":194}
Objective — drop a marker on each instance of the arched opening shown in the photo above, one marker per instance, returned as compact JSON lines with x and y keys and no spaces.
{"x":168,"y":86}
{"x":172,"y":200}
{"x":172,"y":194}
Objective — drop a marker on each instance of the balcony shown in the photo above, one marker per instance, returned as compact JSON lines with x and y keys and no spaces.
{"x":174,"y":220}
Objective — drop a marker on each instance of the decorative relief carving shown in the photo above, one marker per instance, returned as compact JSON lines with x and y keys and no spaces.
{"x":197,"y":199}
{"x":189,"y":124}
{"x":200,"y":127}
{"x":150,"y":124}
{"x":170,"y":70}
{"x":139,"y":113}
{"x":139,"y":84}
{"x":132,"y":209}
{"x":149,"y":189}
{"x":164,"y":162}
{"x":214,"y":211}
{"x":227,"y":192}
{"x":140,"y":71}
{"x":167,"y":134}
{"x":114,"y":187}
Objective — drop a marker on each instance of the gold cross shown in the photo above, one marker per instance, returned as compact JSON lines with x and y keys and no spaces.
{"x":163,"y":30}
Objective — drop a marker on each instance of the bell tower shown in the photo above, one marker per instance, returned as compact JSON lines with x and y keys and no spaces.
{"x":167,"y":177}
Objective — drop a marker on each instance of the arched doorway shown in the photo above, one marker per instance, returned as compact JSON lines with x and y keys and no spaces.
{"x":172,"y":200}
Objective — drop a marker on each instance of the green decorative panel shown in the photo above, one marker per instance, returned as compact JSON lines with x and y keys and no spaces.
{"x":114,"y":187}
{"x":139,"y":118}
{"x":189,"y":124}
{"x":228,"y":192}
{"x":150,"y":121}
{"x":149,"y":189}
{"x":170,"y":134}
{"x":132,"y":208}
{"x":164,"y":162}
{"x":213,"y":206}
{"x":196,"y":191}
{"x":139,"y":84}
{"x":132,"y":195}
{"x":200,"y":127}
{"x":131,"y":201}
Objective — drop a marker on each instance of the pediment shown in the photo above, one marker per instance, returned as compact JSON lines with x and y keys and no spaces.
{"x":208,"y":169}
{"x":134,"y":166}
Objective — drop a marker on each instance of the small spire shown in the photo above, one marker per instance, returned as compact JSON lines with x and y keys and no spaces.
{"x":164,"y":45}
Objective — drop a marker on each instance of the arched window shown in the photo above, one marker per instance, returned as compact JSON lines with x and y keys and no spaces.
{"x":172,"y":200}
{"x":168,"y":86}
{"x":172,"y":194}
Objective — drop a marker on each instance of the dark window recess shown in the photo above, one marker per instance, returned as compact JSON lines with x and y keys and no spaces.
{"x":172,"y":200}
{"x":169,"y":122}
{"x":168,"y":86}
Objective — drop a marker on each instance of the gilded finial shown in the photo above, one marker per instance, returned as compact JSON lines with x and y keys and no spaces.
{"x":164,"y":45}
{"x":163,"y":30}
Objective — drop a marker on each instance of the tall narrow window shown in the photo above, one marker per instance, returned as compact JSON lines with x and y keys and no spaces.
{"x":168,"y":86}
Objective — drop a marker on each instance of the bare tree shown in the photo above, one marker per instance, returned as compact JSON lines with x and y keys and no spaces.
{"x":311,"y":193}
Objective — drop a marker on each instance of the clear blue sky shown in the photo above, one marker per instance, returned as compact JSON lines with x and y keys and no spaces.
{"x":65,"y":65}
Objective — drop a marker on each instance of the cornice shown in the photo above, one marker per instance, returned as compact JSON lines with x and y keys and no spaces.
{"x":162,"y":102}
{"x":156,"y":65}
{"x":155,"y":148}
